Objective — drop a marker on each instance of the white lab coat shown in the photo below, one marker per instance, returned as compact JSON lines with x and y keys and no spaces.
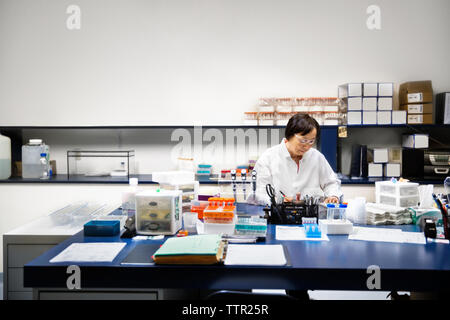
{"x":314,"y":176}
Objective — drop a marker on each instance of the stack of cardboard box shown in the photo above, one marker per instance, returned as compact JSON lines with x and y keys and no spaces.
{"x":416,"y":98}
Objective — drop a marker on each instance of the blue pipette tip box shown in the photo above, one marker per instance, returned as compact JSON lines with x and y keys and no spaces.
{"x":312,"y":230}
{"x":99,"y":228}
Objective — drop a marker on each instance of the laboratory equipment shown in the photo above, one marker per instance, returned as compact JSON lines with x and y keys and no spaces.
{"x":400,"y":194}
{"x":190,"y":221}
{"x":31,"y":155}
{"x":252,"y":226}
{"x":158,"y":212}
{"x":5,"y":157}
{"x":100,"y":163}
{"x":233,"y":181}
{"x":336,"y":222}
{"x":220,"y":216}
{"x":204,"y":170}
{"x":244,"y":179}
{"x":312,"y":229}
{"x":101,"y":228}
{"x":198,"y":206}
{"x":444,"y":213}
{"x":129,"y":198}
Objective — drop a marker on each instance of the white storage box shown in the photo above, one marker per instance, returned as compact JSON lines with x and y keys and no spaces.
{"x":380,"y":155}
{"x":370,"y":89}
{"x":158,"y":212}
{"x":384,"y":117}
{"x":404,"y":202}
{"x":415,"y":141}
{"x":399,"y":117}
{"x":386,"y":89}
{"x":392,"y":170}
{"x":336,"y":226}
{"x":354,"y":118}
{"x":173,"y":176}
{"x":397,"y":188}
{"x":350,"y":90}
{"x":369,"y":117}
{"x":375,"y":170}
{"x":400,"y":194}
{"x":369,"y":104}
{"x":385,"y":104}
{"x":354,"y":104}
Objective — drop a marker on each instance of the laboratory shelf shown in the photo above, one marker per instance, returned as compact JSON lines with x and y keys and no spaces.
{"x":80,"y":179}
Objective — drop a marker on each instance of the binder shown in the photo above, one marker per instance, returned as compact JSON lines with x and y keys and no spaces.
{"x":197,"y":249}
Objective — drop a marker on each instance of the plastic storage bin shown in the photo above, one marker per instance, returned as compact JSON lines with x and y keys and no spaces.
{"x":5,"y":157}
{"x":158,"y":212}
{"x":31,"y":155}
{"x":400,"y":194}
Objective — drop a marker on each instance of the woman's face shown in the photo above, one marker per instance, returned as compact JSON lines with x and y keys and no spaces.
{"x":300,"y":144}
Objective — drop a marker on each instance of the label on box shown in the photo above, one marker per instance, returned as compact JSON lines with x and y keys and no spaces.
{"x":415,"y":108}
{"x":415,"y":97}
{"x":415,"y":118}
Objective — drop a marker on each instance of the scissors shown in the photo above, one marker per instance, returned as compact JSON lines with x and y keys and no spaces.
{"x":271,"y":193}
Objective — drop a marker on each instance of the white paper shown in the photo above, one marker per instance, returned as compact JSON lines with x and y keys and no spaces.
{"x":386,"y":235}
{"x":295,"y":233}
{"x":90,"y":252}
{"x":261,"y":255}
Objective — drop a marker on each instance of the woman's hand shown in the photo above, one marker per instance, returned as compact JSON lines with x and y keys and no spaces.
{"x":332,"y":200}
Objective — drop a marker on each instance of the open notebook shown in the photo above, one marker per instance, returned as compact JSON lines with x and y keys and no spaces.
{"x":198,"y":249}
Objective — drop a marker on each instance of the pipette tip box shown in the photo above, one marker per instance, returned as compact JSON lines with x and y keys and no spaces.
{"x":100,"y":228}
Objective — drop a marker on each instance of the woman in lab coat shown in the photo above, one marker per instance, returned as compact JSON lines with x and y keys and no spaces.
{"x":296,"y":169}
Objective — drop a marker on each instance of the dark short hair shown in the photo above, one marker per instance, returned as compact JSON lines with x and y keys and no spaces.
{"x":301,"y":123}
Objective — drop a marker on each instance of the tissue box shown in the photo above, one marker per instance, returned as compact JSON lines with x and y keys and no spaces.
{"x":100,"y":228}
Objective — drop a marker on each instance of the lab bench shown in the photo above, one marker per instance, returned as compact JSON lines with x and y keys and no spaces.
{"x":338,"y":264}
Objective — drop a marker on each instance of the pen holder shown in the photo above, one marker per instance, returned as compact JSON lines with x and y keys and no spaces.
{"x":292,"y":212}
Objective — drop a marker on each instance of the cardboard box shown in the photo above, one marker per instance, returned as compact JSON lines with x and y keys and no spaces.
{"x":369,"y":117}
{"x":399,"y":117}
{"x":354,"y":117}
{"x":392,"y":170}
{"x":370,"y":89}
{"x":385,"y":89}
{"x":417,"y":108}
{"x":380,"y":155}
{"x":416,"y":92}
{"x":420,"y":119}
{"x":369,"y":104}
{"x":384,"y":117}
{"x":415,"y":141}
{"x":385,"y":103}
{"x":354,"y":104}
{"x":395,"y":155}
{"x":375,"y":170}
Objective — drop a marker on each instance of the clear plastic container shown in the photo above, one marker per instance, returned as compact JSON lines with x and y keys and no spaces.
{"x":404,"y":202}
{"x":397,"y":188}
{"x":31,"y":155}
{"x":158,"y":212}
{"x":5,"y":157}
{"x":220,"y":228}
{"x":336,"y":211}
{"x":129,"y":198}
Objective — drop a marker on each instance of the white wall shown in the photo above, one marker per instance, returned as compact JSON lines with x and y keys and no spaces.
{"x":174,"y":62}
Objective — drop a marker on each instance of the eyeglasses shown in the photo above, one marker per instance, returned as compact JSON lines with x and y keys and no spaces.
{"x":304,"y":141}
